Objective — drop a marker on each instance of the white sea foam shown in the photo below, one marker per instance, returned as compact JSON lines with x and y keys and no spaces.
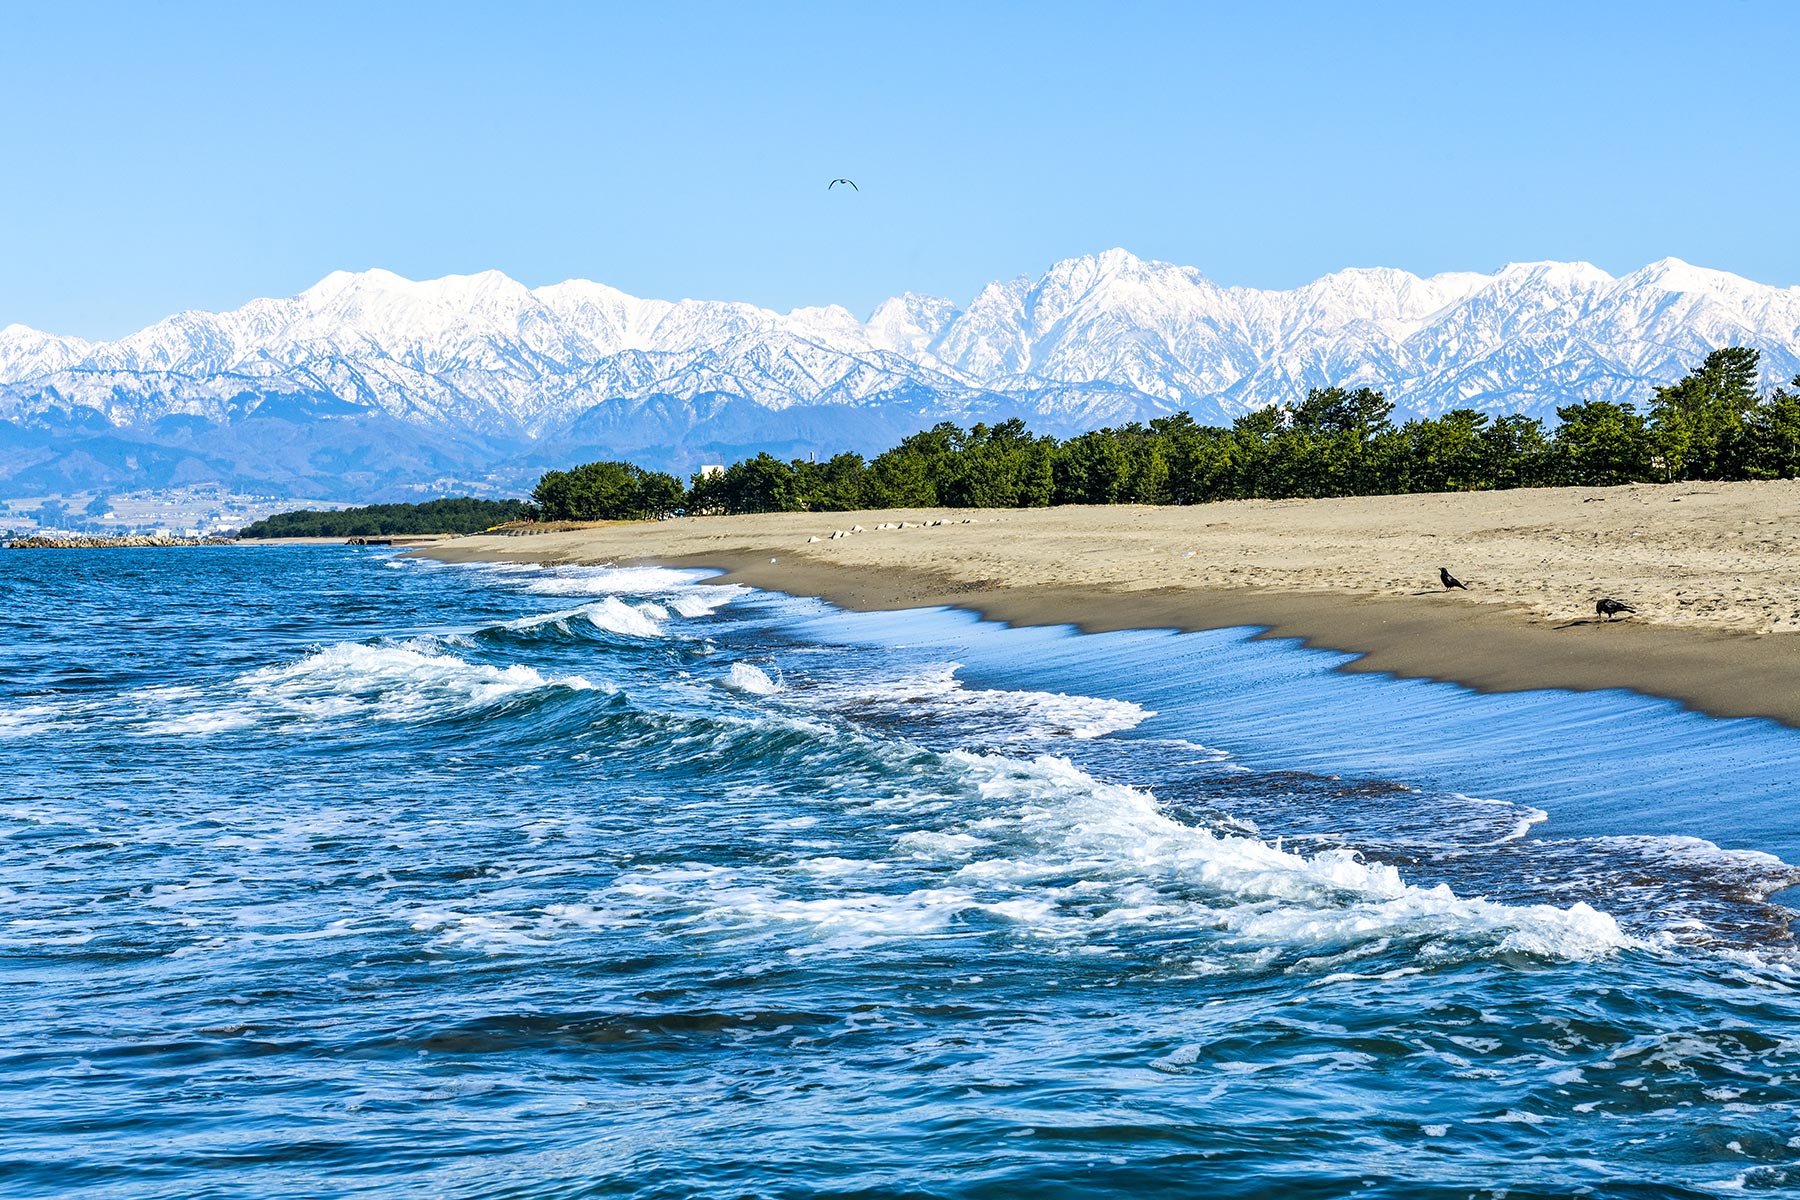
{"x":1014,"y":714}
{"x":381,"y":682}
{"x":1693,"y":852}
{"x":398,"y":680}
{"x":1524,"y":816}
{"x":698,"y":604}
{"x":930,"y":844}
{"x":612,"y":615}
{"x":32,"y":720}
{"x":746,"y":677}
{"x":619,"y":581}
{"x":1109,"y":831}
{"x":630,"y":599}
{"x":203,"y":721}
{"x":1046,"y":850}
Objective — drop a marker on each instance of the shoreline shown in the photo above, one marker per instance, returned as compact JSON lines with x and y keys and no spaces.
{"x":1720,"y":674}
{"x":1036,"y":573}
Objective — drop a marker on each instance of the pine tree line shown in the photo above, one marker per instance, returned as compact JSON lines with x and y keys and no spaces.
{"x":1712,"y":424}
{"x":457,"y":515}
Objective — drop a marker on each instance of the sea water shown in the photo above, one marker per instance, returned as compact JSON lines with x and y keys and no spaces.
{"x":327,"y":872}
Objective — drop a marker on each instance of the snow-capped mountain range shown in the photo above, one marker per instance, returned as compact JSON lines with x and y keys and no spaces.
{"x":389,"y":382}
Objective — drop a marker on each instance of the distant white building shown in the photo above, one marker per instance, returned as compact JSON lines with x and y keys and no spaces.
{"x":708,"y":470}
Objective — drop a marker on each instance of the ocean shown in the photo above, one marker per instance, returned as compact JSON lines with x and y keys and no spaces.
{"x":328,"y":872}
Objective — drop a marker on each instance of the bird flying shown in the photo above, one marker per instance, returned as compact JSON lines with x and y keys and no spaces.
{"x":1451,"y":581}
{"x":1606,"y":606}
{"x":835,"y":182}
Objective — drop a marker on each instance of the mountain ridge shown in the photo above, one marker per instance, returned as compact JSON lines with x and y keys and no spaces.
{"x":485,"y":361}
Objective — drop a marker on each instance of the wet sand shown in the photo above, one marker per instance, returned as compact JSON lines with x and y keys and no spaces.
{"x":1713,"y":569}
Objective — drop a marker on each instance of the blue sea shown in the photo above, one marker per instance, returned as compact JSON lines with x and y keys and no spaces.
{"x":328,"y":872}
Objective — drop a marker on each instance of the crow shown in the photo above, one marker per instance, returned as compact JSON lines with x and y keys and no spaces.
{"x":1606,"y":606}
{"x":835,"y":182}
{"x":1451,"y":581}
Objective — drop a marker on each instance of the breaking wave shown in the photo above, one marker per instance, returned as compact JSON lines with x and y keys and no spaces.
{"x":611,"y":615}
{"x":1001,"y":714}
{"x":1048,"y":852}
{"x":352,"y":681}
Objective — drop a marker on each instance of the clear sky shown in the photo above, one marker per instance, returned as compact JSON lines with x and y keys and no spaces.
{"x":162,"y":157}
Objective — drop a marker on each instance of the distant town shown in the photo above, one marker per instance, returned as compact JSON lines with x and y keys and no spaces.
{"x":199,"y":510}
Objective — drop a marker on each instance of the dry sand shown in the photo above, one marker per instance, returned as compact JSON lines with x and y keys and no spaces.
{"x":1714,"y":570}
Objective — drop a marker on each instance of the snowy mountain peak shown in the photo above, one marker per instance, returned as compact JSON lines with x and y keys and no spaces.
{"x":909,"y":324}
{"x":1092,"y":340}
{"x":1675,"y":275}
{"x":1558,"y":274}
{"x":340,"y":282}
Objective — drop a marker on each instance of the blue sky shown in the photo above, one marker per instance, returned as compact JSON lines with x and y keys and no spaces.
{"x":168,"y":157}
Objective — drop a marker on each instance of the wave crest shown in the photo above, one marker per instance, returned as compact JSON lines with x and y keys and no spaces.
{"x":407,"y":682}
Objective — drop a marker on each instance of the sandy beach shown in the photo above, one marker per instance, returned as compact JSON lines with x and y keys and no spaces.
{"x":1710,"y":567}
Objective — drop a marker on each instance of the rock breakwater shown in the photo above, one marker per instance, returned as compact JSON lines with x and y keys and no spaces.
{"x":96,"y":542}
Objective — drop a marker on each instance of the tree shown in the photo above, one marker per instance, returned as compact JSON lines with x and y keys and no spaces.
{"x":1251,"y":437}
{"x":1203,"y":463}
{"x":1445,"y":454}
{"x":1147,"y":473}
{"x":1362,"y":413}
{"x":594,"y":491}
{"x":758,"y":485}
{"x":606,"y":491}
{"x":659,"y":494}
{"x":1090,"y":469}
{"x":1697,"y":424}
{"x":1600,"y":444}
{"x":836,"y":485}
{"x":1188,"y":451}
{"x":1329,"y":445}
{"x":999,"y":467}
{"x":909,"y":475}
{"x":1515,"y":453}
{"x":1771,"y":441}
{"x":898,"y":478}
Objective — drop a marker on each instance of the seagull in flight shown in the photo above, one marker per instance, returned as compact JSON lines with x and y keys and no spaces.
{"x":835,"y":182}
